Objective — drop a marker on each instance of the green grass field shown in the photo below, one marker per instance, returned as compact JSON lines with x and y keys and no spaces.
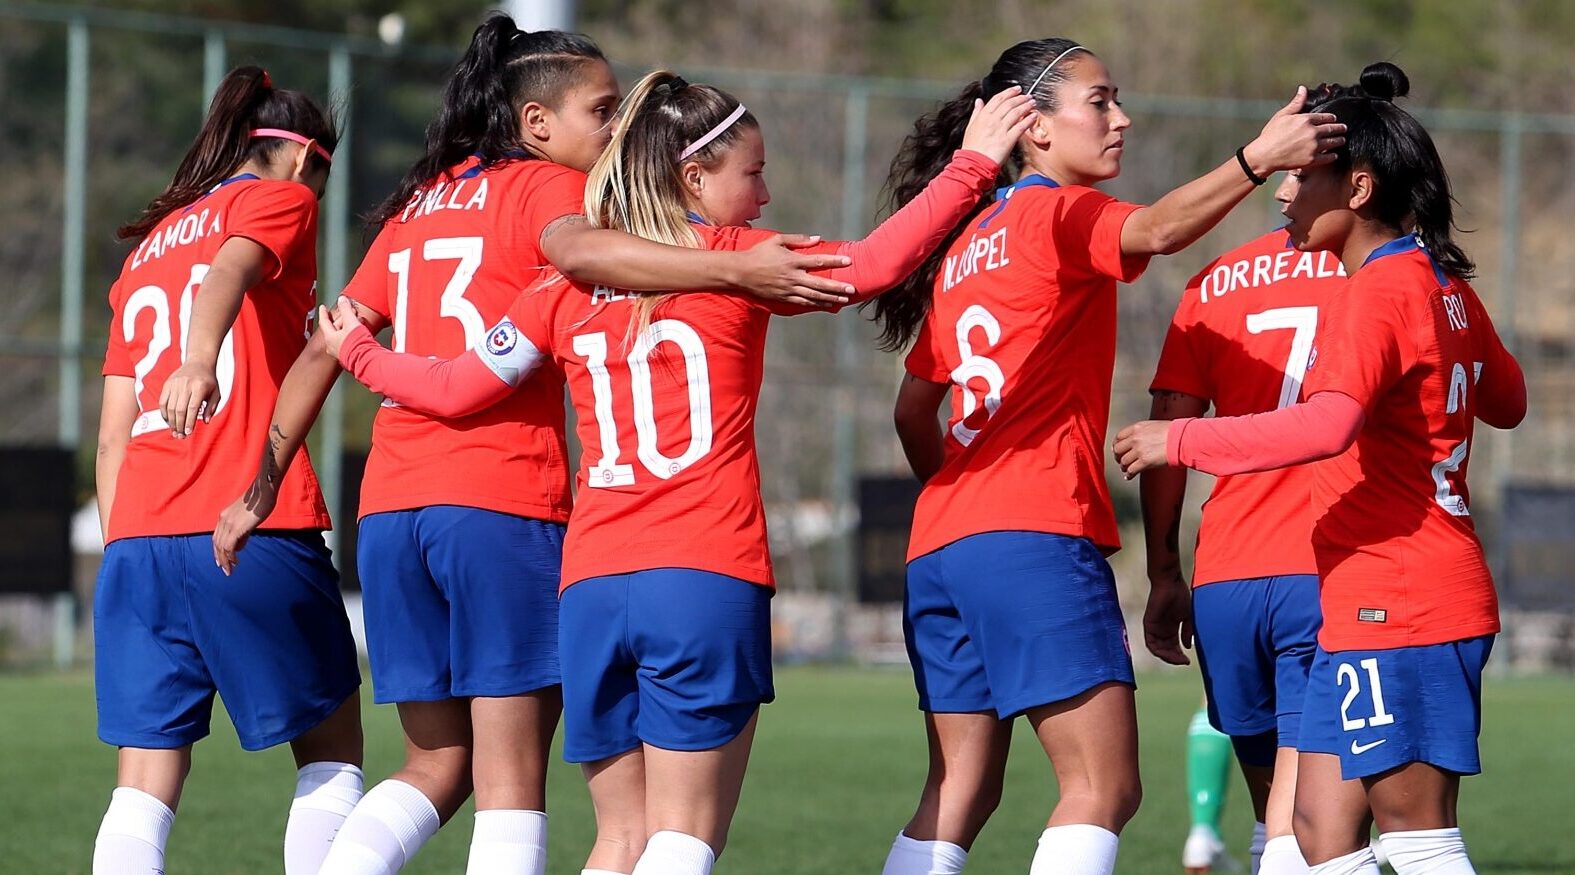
{"x":837,"y":766}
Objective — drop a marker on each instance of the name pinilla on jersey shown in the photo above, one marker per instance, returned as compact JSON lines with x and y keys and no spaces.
{"x":462,"y":194}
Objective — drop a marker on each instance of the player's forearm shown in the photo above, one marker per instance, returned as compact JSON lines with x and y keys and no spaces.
{"x":1501,"y":398}
{"x":1178,"y":219}
{"x":901,"y":243}
{"x":445,"y":388}
{"x":213,"y":312}
{"x":1163,"y":491}
{"x":301,"y":396}
{"x":1323,"y":426}
{"x":602,"y":256}
{"x":106,"y":468}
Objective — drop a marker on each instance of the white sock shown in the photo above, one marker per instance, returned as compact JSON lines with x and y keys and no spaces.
{"x":391,"y":823}
{"x":1355,"y":863}
{"x":1075,"y":849}
{"x":913,"y":857}
{"x":1260,"y":836}
{"x":674,"y":853}
{"x":508,"y":842}
{"x":1282,"y":856}
{"x":132,"y":835}
{"x":1427,"y":852}
{"x":325,"y":794}
{"x":600,"y":872}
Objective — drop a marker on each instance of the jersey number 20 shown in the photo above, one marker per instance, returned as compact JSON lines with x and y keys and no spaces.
{"x":158,"y":300}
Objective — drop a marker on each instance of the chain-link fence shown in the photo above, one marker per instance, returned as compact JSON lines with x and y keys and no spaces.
{"x":97,"y":106}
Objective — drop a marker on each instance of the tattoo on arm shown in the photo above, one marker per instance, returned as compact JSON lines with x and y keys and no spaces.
{"x":276,"y":436}
{"x":1165,"y":401}
{"x":560,"y":223}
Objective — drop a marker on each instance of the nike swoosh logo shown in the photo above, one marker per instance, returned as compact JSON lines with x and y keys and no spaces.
{"x":1360,"y":749}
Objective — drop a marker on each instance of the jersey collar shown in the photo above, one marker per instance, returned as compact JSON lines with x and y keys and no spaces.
{"x":239,"y":177}
{"x":481,"y":160}
{"x":1002,"y":195}
{"x":1408,"y":243}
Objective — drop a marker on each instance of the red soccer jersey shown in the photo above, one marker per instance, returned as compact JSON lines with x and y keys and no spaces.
{"x":1023,"y":325}
{"x":174,"y":487}
{"x":1399,"y":559}
{"x":1240,"y":339}
{"x":668,"y":474}
{"x":443,"y":271}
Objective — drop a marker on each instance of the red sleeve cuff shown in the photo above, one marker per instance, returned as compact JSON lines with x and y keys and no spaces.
{"x":1178,"y":427}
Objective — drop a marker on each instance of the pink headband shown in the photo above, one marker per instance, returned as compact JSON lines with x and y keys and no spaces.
{"x":293,"y":137}
{"x":712,"y":134}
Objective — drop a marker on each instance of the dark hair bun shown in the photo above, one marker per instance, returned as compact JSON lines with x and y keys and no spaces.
{"x":1385,"y":81}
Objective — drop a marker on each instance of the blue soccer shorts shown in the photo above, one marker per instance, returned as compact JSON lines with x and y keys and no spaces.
{"x":671,"y":657}
{"x":1255,"y":641}
{"x":171,"y":630}
{"x":1008,"y":621}
{"x":459,"y":601}
{"x":1380,"y":709}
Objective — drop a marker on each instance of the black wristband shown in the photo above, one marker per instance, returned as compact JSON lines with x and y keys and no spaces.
{"x":1241,"y":158}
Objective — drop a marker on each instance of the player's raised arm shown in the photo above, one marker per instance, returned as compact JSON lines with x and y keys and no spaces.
{"x":897,"y":247}
{"x":1290,"y":140}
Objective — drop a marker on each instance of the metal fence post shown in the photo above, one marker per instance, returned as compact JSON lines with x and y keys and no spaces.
{"x":72,"y":231}
{"x":72,"y":267}
{"x":1510,"y":172}
{"x":855,"y":142}
{"x":336,"y":213}
{"x":214,"y":59}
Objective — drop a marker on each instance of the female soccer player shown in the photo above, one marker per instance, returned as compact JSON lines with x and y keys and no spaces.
{"x":1240,"y":340}
{"x":462,"y":520}
{"x":665,"y":613}
{"x":1010,"y":606}
{"x":207,"y":313}
{"x":1404,"y":365}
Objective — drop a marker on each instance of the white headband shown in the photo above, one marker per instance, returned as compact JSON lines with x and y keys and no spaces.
{"x":712,"y":134}
{"x":1051,"y":66}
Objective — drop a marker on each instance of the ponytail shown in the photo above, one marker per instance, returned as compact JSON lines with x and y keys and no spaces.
{"x":503,"y":69}
{"x":1412,"y":192}
{"x":1038,"y":67}
{"x":245,"y":101}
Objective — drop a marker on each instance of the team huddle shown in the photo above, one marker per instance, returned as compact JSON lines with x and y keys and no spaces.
{"x":556,"y":237}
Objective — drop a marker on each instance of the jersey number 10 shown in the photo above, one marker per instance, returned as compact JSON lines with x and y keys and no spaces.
{"x":608,"y":470}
